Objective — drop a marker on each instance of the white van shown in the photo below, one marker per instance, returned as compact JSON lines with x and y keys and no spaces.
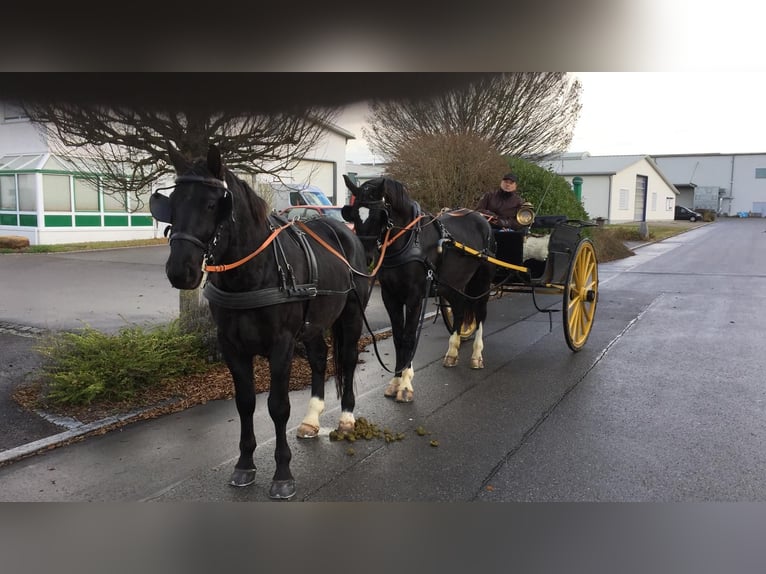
{"x":285,"y":195}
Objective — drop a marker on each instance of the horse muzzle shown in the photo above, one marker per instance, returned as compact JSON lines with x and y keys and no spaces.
{"x":184,"y":266}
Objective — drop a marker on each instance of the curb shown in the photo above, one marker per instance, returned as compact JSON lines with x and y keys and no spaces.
{"x":79,"y":430}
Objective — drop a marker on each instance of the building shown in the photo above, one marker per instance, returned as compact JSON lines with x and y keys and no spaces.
{"x":726,"y":183}
{"x":44,"y":197}
{"x":619,"y":188}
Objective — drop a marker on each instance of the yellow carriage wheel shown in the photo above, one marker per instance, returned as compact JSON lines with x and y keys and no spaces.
{"x":466,"y":331}
{"x":580,"y":295}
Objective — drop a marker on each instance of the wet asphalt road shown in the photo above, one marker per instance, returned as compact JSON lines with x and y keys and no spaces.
{"x":105,"y":290}
{"x":666,"y":403}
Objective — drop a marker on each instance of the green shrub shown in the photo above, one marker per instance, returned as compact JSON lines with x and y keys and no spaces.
{"x":550,"y":194}
{"x":82,"y":367}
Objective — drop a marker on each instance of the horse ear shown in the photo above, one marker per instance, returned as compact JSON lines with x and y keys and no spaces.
{"x":350,"y":184}
{"x":177,"y":159}
{"x":214,"y":163}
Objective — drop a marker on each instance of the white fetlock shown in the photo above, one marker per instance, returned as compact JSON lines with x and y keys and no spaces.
{"x":393,"y":387}
{"x":309,"y":427}
{"x":450,"y":359}
{"x":477,"y":361}
{"x":346,"y":422}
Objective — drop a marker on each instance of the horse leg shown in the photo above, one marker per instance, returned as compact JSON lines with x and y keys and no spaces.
{"x":280,"y":361}
{"x":477,"y":360}
{"x":346,"y":333}
{"x":316,"y":353}
{"x":241,"y":369}
{"x":451,"y":357}
{"x":453,"y":348}
{"x":406,"y":393}
{"x":396,"y":315}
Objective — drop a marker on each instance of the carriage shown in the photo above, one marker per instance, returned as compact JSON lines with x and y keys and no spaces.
{"x":273,"y":282}
{"x":548,"y":256}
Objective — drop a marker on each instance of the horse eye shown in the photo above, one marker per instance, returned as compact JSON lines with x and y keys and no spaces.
{"x":211,"y":205}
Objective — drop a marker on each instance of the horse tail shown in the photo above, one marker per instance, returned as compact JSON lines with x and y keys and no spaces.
{"x":468,"y":317}
{"x":337,"y":357}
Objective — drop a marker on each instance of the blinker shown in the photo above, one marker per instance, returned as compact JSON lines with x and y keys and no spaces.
{"x":159,"y":206}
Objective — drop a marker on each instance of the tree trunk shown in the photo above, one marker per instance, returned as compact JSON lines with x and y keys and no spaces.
{"x":195,"y":318}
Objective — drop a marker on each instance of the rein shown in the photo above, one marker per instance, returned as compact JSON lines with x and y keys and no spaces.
{"x":402,"y":230}
{"x":332,"y":250}
{"x":264,"y":245}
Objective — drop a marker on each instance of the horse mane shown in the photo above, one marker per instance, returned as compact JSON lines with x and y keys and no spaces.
{"x":396,"y":195}
{"x":244,"y":195}
{"x":256,"y":205}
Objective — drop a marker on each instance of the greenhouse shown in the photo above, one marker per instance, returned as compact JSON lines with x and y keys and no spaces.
{"x":44,"y":198}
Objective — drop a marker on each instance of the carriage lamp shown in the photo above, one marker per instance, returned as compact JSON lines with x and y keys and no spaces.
{"x":525,"y":214}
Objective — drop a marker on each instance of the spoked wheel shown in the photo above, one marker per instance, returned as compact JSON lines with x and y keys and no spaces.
{"x":466,"y":332}
{"x":580,"y":295}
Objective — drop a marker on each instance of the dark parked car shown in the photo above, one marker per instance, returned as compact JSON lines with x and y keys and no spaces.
{"x":686,"y":213}
{"x":305,"y":212}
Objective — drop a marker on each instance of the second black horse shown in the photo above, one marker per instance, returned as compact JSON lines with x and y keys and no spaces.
{"x":418,"y":255}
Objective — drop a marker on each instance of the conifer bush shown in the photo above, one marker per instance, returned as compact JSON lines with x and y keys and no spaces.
{"x":86,"y":366}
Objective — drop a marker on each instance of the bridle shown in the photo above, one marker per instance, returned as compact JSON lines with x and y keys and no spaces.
{"x":376,"y":205}
{"x":181,"y":236}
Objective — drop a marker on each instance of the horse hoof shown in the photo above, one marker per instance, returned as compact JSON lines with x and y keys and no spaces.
{"x":391,"y":390}
{"x":477,"y":363}
{"x":404,"y":396}
{"x":242,"y":477}
{"x":306,"y":430}
{"x":282,"y":489}
{"x":450,"y":361}
{"x":346,"y":426}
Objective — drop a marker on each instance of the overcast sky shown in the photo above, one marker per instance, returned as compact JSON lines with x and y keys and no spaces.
{"x":650,"y":113}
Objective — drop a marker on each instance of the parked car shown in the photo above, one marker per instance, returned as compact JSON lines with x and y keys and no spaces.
{"x":306,"y":212}
{"x":686,"y":213}
{"x":283,"y":195}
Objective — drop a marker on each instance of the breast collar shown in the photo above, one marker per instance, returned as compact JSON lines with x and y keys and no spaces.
{"x":412,"y":249}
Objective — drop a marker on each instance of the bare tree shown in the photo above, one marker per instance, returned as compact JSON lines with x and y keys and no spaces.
{"x":125,"y":148}
{"x":528,"y":114}
{"x":447,"y":170}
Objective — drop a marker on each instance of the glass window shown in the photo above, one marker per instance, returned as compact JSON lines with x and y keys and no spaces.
{"x":27,"y":192}
{"x":85,"y":195}
{"x":8,"y":192}
{"x":115,"y":201}
{"x":141,"y":202}
{"x":623,"y":198}
{"x":760,"y":172}
{"x":56,"y":194}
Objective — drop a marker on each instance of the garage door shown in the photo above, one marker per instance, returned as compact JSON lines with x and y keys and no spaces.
{"x":640,"y":209}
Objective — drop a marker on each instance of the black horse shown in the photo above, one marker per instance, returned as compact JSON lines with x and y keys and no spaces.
{"x":417,"y":255}
{"x":275,"y":282}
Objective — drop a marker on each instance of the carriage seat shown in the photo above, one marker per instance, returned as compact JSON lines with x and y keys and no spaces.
{"x":548,"y":221}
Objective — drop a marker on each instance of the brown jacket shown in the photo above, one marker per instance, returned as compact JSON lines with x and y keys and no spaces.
{"x":503,"y":205}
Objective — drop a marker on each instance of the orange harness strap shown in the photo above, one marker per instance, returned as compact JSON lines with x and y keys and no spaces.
{"x":264,"y":245}
{"x":332,"y":250}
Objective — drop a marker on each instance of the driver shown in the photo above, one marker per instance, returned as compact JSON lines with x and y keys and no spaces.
{"x":500,"y":206}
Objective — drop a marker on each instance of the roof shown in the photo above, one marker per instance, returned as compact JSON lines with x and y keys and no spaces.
{"x":37,"y":162}
{"x":600,"y":165}
{"x":591,"y":165}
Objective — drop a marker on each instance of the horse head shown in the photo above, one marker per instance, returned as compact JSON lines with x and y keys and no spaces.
{"x":369,"y":212}
{"x":200,"y":203}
